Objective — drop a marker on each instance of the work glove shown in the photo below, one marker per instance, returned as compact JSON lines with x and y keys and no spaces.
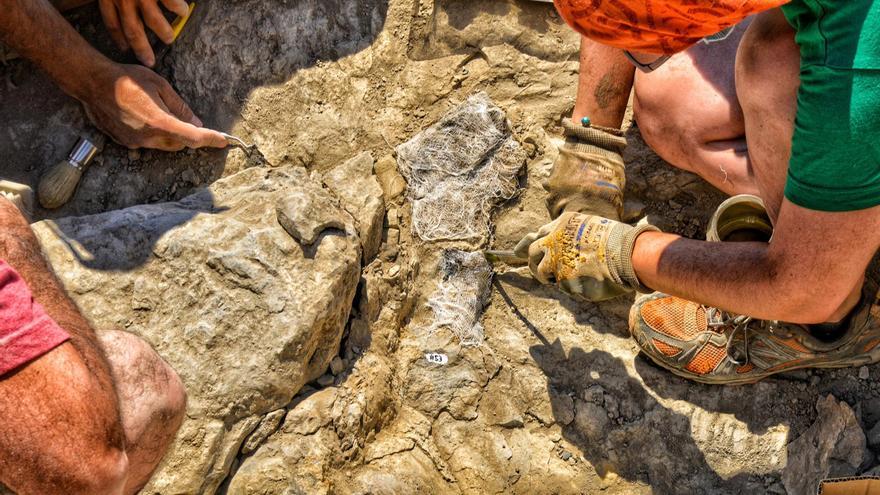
{"x":588,"y":175}
{"x":586,"y":256}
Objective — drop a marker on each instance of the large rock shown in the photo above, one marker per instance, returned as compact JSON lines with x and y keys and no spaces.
{"x":242,"y":311}
{"x":361,"y":194}
{"x":834,"y":446}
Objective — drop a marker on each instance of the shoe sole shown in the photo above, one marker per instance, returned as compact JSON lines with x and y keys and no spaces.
{"x":862,"y":360}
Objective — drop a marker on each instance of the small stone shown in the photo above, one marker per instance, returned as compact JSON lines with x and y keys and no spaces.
{"x":325,"y":380}
{"x":873,"y":436}
{"x":392,"y":183}
{"x":864,"y":374}
{"x":566,"y":455}
{"x":393,"y":219}
{"x":871,"y":411}
{"x":389,"y":253}
{"x":336,"y":366}
{"x":268,"y":425}
{"x":306,"y":213}
{"x":394,"y":271}
{"x":814,"y":380}
{"x":134,"y":155}
{"x":833,"y":446}
{"x":633,"y":209}
{"x":393,"y":237}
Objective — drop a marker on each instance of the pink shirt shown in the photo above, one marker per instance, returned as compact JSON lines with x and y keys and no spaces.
{"x":26,"y":331}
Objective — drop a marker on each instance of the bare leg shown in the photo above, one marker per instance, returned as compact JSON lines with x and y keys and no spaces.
{"x":688,"y":112}
{"x":65,"y":404}
{"x":152,"y":402}
{"x":767,"y":79}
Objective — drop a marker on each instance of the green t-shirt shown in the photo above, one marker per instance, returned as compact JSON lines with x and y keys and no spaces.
{"x":835,"y":155}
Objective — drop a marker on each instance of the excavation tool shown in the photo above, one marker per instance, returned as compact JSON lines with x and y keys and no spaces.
{"x":57,"y":186}
{"x":508,"y":257}
{"x":239,"y":143}
{"x":255,"y":157}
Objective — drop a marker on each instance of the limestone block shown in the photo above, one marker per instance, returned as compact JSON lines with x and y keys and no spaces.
{"x":244,"y":313}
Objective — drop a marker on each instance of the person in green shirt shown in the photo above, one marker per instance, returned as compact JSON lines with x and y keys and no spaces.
{"x":780,"y":107}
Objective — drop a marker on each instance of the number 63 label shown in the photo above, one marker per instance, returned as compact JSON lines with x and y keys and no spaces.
{"x":436,"y":358}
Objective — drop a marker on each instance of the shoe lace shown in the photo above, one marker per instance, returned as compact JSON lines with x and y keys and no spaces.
{"x":741,"y":323}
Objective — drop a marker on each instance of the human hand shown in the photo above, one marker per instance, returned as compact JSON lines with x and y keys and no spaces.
{"x":125,"y":20}
{"x":584,"y":255}
{"x":588,"y":174}
{"x":138,"y":108}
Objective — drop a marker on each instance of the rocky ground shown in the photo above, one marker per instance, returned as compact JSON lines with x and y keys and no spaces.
{"x":292,"y":297}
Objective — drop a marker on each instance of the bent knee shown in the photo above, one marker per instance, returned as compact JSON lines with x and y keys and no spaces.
{"x":142,"y":376}
{"x":668,"y":134}
{"x":104,"y":474}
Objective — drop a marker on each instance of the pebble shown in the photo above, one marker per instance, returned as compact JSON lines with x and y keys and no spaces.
{"x":325,"y":380}
{"x":336,"y":365}
{"x":393,"y":237}
{"x":864,"y":374}
{"x":393,"y":219}
{"x":566,"y":455}
{"x":814,"y":380}
{"x":873,"y":436}
{"x":393,"y":271}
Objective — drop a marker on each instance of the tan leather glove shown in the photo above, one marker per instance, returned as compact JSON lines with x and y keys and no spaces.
{"x":588,"y":175}
{"x":584,"y":255}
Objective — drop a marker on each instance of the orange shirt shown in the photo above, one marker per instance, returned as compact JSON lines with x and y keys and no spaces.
{"x":656,"y":26}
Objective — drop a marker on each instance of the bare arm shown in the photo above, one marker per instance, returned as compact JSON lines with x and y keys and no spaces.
{"x":809,"y":273}
{"x":64,"y":400}
{"x":132,"y":104}
{"x":604,"y":84}
{"x":38,"y":32}
{"x":19,"y":248}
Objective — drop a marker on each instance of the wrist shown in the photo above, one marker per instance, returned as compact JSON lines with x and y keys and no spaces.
{"x":594,"y":139}
{"x":645,"y":256}
{"x":625,"y":268}
{"x":88,"y":81}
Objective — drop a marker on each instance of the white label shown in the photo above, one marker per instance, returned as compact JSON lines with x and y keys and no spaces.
{"x":436,"y":358}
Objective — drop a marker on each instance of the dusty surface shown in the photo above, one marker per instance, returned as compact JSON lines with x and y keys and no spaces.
{"x":246,"y":319}
{"x":556,"y":399}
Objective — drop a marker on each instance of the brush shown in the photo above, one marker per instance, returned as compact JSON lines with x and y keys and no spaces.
{"x":57,"y":185}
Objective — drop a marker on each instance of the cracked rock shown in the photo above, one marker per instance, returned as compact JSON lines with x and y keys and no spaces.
{"x":361,"y":195}
{"x":307,"y":212}
{"x":237,"y":307}
{"x":834,"y":446}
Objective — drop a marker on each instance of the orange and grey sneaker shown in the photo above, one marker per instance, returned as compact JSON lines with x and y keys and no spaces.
{"x":712,"y":346}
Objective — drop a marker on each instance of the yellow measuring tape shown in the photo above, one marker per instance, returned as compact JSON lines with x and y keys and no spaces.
{"x":180,"y":22}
